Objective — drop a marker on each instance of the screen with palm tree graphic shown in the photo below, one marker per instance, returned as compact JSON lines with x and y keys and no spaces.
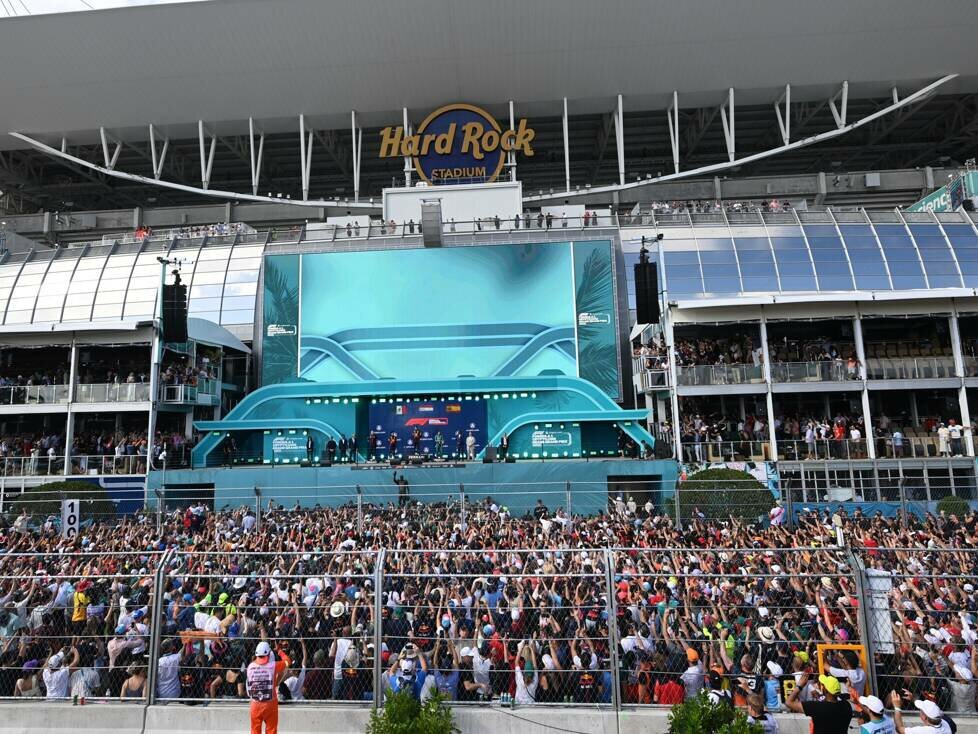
{"x":482,"y":311}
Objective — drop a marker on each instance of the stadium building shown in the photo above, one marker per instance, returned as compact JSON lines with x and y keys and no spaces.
{"x":427,"y":226}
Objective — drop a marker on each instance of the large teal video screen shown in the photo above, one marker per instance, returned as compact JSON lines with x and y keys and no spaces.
{"x":493,"y":310}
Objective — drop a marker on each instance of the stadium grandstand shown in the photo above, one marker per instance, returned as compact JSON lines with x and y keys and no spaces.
{"x":572,"y":361}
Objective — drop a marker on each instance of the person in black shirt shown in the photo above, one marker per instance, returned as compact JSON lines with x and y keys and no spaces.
{"x":352,"y":446}
{"x":540,"y":511}
{"x":342,"y":447}
{"x":331,"y":450}
{"x":416,"y":441}
{"x":831,"y":715}
{"x":503,"y":447}
{"x":310,"y":448}
{"x":459,"y":444}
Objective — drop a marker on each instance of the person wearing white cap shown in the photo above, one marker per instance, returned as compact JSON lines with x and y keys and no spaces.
{"x":264,"y":675}
{"x":57,"y":675}
{"x":962,"y":684}
{"x":930,"y":714}
{"x":876,"y":722}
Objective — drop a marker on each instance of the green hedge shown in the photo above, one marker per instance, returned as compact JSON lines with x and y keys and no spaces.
{"x":954,"y":505}
{"x":45,"y":499}
{"x":698,"y":716}
{"x":719,"y":493}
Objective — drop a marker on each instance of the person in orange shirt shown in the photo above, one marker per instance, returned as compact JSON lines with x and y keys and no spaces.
{"x":264,"y":675}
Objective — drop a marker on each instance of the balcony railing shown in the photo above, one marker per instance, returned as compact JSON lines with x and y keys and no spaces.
{"x":653,"y":379}
{"x":828,"y":371}
{"x":179,"y":394}
{"x":920,"y":447}
{"x":32,"y":466}
{"x":719,"y":374}
{"x":822,"y":448}
{"x":971,"y":366}
{"x":33,"y":394}
{"x":716,"y":450}
{"x":126,"y":392}
{"x":128,"y":464}
{"x":909,"y":368}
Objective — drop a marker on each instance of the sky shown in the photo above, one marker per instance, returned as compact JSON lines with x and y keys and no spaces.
{"x":9,"y":8}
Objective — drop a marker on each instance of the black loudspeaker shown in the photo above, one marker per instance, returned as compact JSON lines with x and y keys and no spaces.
{"x":968,"y":205}
{"x":175,"y":313}
{"x":646,"y":293}
{"x":510,"y":459}
{"x":490,"y":456}
{"x":417,"y":460}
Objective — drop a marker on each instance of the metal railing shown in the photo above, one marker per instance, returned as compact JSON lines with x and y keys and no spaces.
{"x":33,"y":394}
{"x":719,"y":374}
{"x":179,"y":393}
{"x":827,"y":371}
{"x":32,"y":466}
{"x":920,"y":447}
{"x":653,"y":379}
{"x":718,"y":450}
{"x":105,"y":464}
{"x":126,"y":392}
{"x":909,"y":368}
{"x":822,"y":448}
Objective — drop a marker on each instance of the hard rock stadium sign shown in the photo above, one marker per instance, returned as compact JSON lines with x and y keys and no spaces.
{"x":457,"y":143}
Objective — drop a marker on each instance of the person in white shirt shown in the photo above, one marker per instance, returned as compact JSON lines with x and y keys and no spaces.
{"x":527,"y":678}
{"x":168,"y":671}
{"x":57,"y":675}
{"x":931,"y":716}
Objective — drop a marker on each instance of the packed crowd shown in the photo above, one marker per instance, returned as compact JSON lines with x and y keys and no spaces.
{"x":111,"y":452}
{"x":36,"y":376}
{"x":709,"y":435}
{"x":218,"y":229}
{"x":178,"y":372}
{"x":717,"y":206}
{"x":486,"y":605}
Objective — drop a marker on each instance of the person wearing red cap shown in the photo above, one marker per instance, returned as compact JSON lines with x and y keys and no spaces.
{"x":264,"y":675}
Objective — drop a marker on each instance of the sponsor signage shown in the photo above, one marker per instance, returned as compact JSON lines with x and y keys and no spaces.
{"x":70,"y":518}
{"x":457,"y":143}
{"x":550,"y":439}
{"x":948,"y":198}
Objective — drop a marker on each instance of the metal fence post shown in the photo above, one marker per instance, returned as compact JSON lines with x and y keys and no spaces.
{"x":609,"y":579}
{"x":257,"y":509}
{"x":679,"y":517}
{"x":461,"y":505}
{"x":904,"y":520}
{"x":155,"y":630}
{"x":378,"y":625}
{"x":567,"y":498}
{"x":788,"y":503}
{"x":360,"y":513}
{"x":859,"y":576}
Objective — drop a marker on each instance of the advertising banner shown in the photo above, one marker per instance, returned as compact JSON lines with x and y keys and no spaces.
{"x":448,"y":417}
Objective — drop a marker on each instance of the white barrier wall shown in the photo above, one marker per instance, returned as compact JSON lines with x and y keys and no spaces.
{"x":32,"y":717}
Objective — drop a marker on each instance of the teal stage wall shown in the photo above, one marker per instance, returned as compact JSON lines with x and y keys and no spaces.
{"x":515,"y":485}
{"x":536,"y":309}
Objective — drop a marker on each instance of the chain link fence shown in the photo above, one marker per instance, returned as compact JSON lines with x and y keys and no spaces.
{"x":588,"y":624}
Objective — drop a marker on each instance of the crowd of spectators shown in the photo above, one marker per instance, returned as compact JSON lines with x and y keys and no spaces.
{"x":176,"y":372}
{"x":111,"y":452}
{"x":218,"y":229}
{"x":717,"y":206}
{"x":490,"y":606}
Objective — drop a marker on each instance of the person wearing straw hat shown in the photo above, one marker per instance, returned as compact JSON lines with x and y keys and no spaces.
{"x":931,"y":716}
{"x":264,"y":675}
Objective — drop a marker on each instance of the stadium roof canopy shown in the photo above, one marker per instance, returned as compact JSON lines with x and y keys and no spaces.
{"x":68,"y":75}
